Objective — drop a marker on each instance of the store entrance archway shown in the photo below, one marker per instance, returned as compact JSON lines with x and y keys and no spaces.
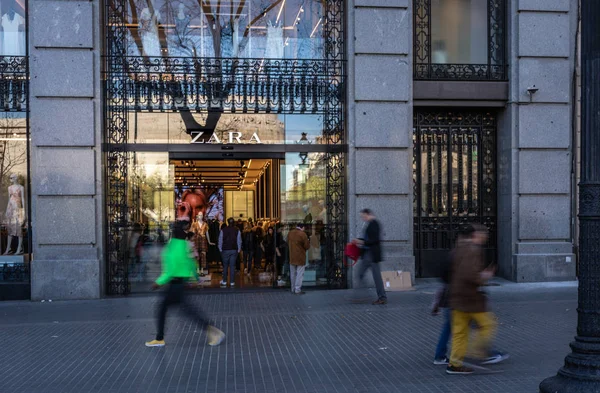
{"x":265,"y":193}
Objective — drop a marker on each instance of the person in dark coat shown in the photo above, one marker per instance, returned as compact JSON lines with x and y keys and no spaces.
{"x":370,"y":243}
{"x":249,"y":248}
{"x":269,"y":248}
{"x":469,"y":303}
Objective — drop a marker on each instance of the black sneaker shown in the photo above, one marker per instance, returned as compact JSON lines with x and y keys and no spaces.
{"x":461,"y":370}
{"x":441,"y":361}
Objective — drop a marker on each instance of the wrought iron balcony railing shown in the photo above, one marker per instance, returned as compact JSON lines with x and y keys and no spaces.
{"x":244,"y":85}
{"x":460,"y":72}
{"x":14,"y":83}
{"x":425,"y":42}
{"x":14,"y":272}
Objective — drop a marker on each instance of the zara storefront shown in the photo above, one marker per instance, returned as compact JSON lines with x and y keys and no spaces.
{"x":285,"y":111}
{"x":219,"y":109}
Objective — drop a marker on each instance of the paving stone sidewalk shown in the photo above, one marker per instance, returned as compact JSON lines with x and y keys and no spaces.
{"x":276,"y":342}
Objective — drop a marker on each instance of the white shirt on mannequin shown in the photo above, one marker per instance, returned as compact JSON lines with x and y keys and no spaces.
{"x":13,"y":40}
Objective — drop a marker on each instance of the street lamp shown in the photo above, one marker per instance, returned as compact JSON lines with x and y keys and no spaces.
{"x":303,"y":155}
{"x":581,"y":371}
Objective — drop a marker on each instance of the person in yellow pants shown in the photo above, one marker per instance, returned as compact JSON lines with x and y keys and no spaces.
{"x":469,"y":303}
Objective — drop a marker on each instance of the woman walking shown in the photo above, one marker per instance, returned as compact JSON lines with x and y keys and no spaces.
{"x":179,"y":267}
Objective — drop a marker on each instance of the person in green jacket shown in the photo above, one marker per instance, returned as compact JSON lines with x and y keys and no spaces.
{"x":178,"y":267}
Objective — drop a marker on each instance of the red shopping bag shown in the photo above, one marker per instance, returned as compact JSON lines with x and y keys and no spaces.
{"x":351,"y":253}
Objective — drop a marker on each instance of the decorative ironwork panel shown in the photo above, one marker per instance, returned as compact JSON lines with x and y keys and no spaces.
{"x":334,"y":132}
{"x":225,"y":85}
{"x":14,"y":84}
{"x":232,"y":85}
{"x":427,"y":69}
{"x":454,"y":164}
{"x":14,"y":272}
{"x":116,"y":157}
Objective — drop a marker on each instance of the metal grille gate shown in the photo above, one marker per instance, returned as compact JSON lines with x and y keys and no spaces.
{"x":454,"y":176}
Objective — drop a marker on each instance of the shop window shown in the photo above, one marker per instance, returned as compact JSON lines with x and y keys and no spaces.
{"x":14,"y":233}
{"x":304,"y":185}
{"x":272,"y":29}
{"x":13,"y":23}
{"x":459,"y":39}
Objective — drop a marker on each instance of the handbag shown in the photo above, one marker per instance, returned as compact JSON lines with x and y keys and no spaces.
{"x":351,"y":252}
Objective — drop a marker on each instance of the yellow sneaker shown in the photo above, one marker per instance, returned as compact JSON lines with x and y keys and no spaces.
{"x":155,"y":343}
{"x":215,"y":336}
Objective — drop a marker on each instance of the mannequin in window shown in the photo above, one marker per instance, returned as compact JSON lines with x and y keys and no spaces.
{"x":13,"y":37}
{"x":181,"y":40}
{"x":148,"y":29}
{"x":236,"y":37}
{"x":323,"y":213}
{"x":201,"y":240}
{"x":274,"y":41}
{"x":227,"y":40}
{"x":15,"y":218}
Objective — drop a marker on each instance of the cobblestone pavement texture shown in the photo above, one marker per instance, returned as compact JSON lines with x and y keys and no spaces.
{"x":276,"y":342}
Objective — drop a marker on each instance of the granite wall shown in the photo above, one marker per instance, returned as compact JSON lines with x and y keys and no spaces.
{"x":65,"y":149}
{"x":379,"y":49}
{"x":536,"y":211}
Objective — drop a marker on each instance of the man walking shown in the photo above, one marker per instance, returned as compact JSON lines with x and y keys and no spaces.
{"x":230,"y":245}
{"x":468,"y":301}
{"x":298,"y":245}
{"x":178,"y":268}
{"x":370,"y":243}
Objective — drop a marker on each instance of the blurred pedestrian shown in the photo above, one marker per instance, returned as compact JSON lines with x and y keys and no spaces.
{"x":442,"y":303}
{"x":298,"y":245}
{"x":178,"y":268}
{"x":469,"y":303}
{"x":370,"y":243}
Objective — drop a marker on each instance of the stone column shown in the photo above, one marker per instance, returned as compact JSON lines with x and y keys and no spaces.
{"x":535,"y":144}
{"x":65,"y":149}
{"x":380,"y":123}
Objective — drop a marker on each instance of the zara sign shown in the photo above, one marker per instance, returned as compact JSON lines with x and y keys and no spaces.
{"x":230,"y":137}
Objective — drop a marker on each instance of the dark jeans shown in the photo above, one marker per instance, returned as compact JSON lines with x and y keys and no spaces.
{"x":441,"y":351}
{"x":229,"y":260}
{"x":258,"y":254}
{"x":367,"y":262}
{"x":175,"y":294}
{"x":248,"y":259}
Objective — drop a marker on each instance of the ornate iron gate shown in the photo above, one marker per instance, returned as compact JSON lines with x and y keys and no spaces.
{"x":454,"y":173}
{"x":221,"y":85}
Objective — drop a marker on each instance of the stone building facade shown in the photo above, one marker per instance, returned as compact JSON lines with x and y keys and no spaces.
{"x":453,"y":112}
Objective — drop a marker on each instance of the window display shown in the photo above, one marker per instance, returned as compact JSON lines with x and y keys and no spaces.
{"x":303,"y":200}
{"x":14,"y":235}
{"x":262,"y":29}
{"x":13,"y":28}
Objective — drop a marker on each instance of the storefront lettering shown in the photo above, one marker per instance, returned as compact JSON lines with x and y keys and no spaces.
{"x":228,"y":137}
